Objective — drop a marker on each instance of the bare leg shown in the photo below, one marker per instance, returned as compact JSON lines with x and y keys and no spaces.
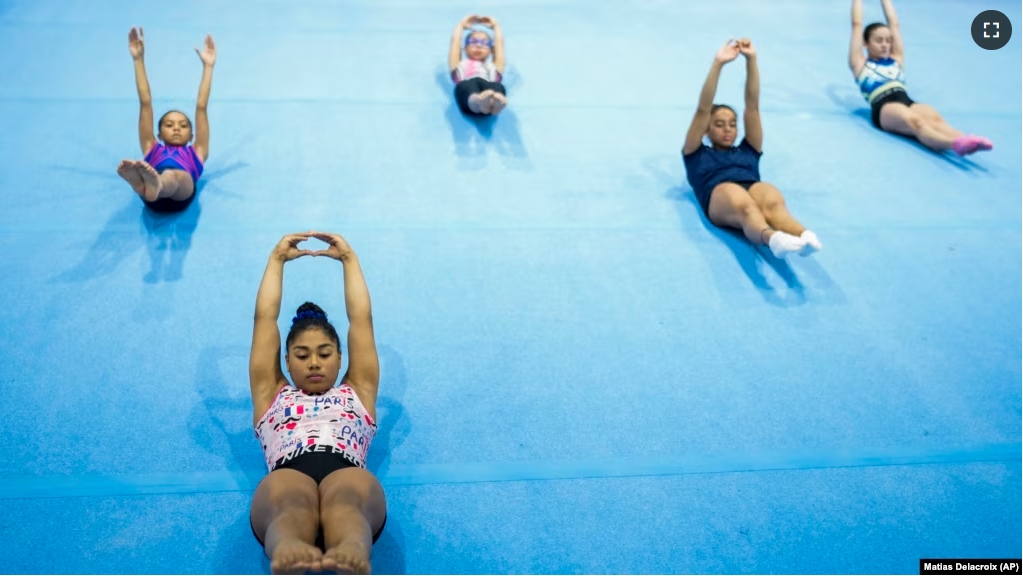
{"x":772,"y":204}
{"x":963,"y":144}
{"x":285,"y":512}
{"x":935,"y":120}
{"x":352,"y":508}
{"x":176,"y":185}
{"x":733,"y":207}
{"x":173,"y":184}
{"x":901,"y":119}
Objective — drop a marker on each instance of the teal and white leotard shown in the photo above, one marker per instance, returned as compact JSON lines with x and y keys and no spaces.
{"x":880,"y":77}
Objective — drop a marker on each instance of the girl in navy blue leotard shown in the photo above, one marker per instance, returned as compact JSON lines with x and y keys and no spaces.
{"x":726,"y":178}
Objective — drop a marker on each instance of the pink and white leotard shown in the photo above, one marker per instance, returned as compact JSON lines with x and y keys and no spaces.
{"x":297,"y":423}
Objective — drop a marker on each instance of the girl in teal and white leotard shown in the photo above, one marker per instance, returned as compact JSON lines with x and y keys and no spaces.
{"x":881,"y":78}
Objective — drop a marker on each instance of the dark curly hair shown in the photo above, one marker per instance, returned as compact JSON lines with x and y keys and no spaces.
{"x":309,"y":316}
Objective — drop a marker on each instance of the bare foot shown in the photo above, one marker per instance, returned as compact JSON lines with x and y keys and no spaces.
{"x":295,"y":557}
{"x":486,"y":101}
{"x":474,"y":103}
{"x":126,"y":169}
{"x":349,"y":557}
{"x":150,"y":179}
{"x":498,"y":103}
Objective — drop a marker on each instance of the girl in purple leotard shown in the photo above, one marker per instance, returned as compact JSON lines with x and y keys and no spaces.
{"x":165,"y":179}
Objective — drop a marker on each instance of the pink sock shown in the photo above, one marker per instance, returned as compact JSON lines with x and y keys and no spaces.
{"x":964,"y":145}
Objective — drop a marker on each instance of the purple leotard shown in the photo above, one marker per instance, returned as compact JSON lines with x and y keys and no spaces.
{"x":162,"y":157}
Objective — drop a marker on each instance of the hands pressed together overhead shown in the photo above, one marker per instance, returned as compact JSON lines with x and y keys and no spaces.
{"x":488,"y":21}
{"x":731,"y":50}
{"x":287,"y":249}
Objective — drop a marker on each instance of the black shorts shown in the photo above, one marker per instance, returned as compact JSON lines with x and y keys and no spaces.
{"x":466,"y":88}
{"x":169,"y":205}
{"x":896,"y":95}
{"x":318,"y":465}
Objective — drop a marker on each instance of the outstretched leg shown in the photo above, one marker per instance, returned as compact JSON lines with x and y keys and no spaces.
{"x":935,"y":120}
{"x":174,"y":184}
{"x":967,"y":143}
{"x":285,"y":515}
{"x":772,"y":204}
{"x":901,"y":119}
{"x":733,"y":207}
{"x":352,"y":509}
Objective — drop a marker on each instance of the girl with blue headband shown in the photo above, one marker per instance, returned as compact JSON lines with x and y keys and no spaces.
{"x":477,"y":77}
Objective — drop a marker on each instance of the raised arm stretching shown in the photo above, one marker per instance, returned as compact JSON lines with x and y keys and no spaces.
{"x":202,"y":123}
{"x":136,"y":45}
{"x":363,"y":364}
{"x":751,"y":110}
{"x":455,"y":50}
{"x":856,"y":57}
{"x":698,"y":127}
{"x":265,"y":374}
{"x":898,"y":49}
{"x":498,"y":43}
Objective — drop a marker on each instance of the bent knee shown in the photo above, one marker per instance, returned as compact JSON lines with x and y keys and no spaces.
{"x":769,"y":200}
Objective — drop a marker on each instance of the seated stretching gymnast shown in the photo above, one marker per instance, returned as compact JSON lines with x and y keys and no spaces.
{"x":883,"y":84}
{"x":165,"y":179}
{"x":726,"y":178}
{"x":319,"y":509}
{"x":478,"y":88}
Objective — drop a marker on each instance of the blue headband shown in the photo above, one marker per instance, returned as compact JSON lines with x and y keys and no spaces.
{"x":478,"y":28}
{"x":308,"y":315}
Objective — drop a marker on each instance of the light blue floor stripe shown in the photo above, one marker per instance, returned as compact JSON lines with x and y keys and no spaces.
{"x":411,"y":475}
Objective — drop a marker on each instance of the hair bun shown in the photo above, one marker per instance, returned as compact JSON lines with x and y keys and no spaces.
{"x":309,"y":311}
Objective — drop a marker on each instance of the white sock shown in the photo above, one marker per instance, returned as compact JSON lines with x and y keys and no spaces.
{"x":812,"y":243}
{"x":782,"y":244}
